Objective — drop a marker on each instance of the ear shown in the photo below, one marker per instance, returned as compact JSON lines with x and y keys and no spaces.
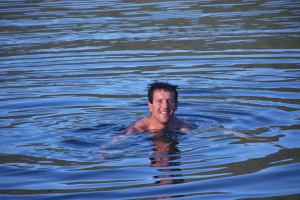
{"x":150,"y":106}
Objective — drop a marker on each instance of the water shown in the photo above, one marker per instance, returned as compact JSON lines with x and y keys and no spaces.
{"x":73,"y":77}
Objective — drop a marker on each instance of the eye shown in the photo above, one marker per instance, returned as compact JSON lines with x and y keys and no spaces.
{"x":170,"y":101}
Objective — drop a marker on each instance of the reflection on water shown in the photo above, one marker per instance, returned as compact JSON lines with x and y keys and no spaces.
{"x":165,"y":158}
{"x":73,"y":77}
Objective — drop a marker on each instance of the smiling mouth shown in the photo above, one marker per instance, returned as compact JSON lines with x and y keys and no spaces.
{"x":166,"y":113}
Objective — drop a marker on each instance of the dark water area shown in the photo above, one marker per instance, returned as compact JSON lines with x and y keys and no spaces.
{"x":73,"y":76}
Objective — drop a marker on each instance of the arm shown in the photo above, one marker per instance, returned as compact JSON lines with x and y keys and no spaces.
{"x":184,"y":127}
{"x":137,"y":127}
{"x":131,"y":130}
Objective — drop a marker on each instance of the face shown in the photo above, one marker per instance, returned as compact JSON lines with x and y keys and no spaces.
{"x":163,"y":106}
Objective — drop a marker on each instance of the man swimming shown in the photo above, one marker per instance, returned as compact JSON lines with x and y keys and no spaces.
{"x":162,"y":103}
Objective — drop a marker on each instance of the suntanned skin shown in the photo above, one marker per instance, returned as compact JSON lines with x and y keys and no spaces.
{"x":162,"y":116}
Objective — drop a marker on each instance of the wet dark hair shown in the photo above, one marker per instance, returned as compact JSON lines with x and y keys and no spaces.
{"x":156,"y":85}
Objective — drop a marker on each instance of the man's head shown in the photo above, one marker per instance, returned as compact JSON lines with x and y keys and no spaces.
{"x":162,"y":101}
{"x":162,"y":86}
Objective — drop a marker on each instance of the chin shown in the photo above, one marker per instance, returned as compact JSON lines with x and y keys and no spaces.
{"x":165,"y":121}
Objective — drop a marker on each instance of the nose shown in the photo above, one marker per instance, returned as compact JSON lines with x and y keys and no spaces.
{"x":165,"y":105}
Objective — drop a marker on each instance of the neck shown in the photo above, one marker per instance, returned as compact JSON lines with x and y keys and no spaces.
{"x":156,"y":125}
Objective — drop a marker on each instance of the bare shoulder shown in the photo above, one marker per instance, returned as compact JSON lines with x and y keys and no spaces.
{"x":139,"y":126}
{"x":183,"y":126}
{"x":142,"y":124}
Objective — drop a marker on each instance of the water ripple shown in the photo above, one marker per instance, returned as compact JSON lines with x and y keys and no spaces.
{"x":74,"y":76}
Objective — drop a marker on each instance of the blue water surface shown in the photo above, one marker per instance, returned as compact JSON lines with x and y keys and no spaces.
{"x":74,"y":76}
